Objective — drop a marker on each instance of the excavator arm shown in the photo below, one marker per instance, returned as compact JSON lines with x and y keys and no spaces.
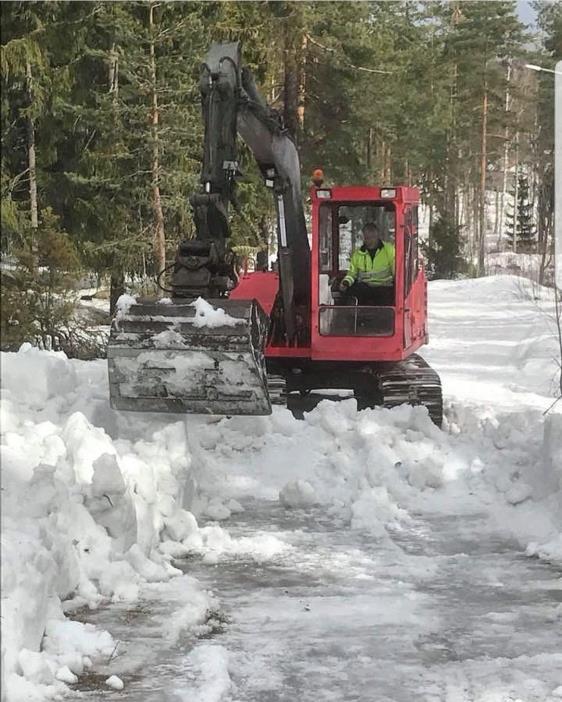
{"x":184,"y":356}
{"x":231,"y":105}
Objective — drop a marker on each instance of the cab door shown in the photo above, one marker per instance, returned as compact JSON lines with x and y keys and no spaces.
{"x":410,"y":270}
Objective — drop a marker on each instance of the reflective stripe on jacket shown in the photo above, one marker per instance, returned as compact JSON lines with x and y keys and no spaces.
{"x":373,"y":271}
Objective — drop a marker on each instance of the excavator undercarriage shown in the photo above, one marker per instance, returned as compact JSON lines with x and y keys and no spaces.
{"x":412,"y":382}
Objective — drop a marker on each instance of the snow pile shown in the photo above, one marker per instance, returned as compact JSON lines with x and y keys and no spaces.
{"x":546,"y":487}
{"x":368,"y":467}
{"x":83,"y":515}
{"x":207,"y":316}
{"x":96,"y":503}
{"x":495,"y":351}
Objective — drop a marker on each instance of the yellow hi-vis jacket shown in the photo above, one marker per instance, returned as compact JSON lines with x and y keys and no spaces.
{"x":374,"y":271}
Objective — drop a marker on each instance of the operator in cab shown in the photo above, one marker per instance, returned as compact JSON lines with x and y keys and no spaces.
{"x":370,"y":277}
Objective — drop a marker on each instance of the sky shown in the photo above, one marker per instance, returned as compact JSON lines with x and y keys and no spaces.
{"x":526,"y":12}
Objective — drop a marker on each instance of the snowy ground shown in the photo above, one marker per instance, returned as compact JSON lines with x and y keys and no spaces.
{"x":351,"y":556}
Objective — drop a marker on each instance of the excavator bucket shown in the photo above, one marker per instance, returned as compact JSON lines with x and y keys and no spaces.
{"x":189,"y":358}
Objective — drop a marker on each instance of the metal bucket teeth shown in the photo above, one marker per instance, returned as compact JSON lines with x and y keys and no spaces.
{"x":160,"y":361}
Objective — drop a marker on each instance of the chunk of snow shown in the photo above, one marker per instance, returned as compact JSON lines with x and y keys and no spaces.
{"x":208,"y":316}
{"x":150,"y":571}
{"x":35,"y":667}
{"x":63,"y":636}
{"x":35,"y":377}
{"x":115,"y":682}
{"x":181,"y":525}
{"x":124,"y":304}
{"x":212,"y":682}
{"x":217,"y":510}
{"x":64,"y":674}
{"x":297,"y":493}
{"x":518,"y":493}
{"x":169,"y":339}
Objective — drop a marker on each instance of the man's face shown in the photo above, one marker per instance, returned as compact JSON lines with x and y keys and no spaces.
{"x":370,"y":237}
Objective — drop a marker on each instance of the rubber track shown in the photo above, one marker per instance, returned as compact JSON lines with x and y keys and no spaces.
{"x":277,"y":388}
{"x":413,"y":382}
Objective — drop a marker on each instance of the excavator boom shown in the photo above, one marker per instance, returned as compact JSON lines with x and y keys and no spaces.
{"x":169,"y":357}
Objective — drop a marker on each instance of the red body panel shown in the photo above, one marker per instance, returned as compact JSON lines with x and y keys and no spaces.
{"x":410,"y":330}
{"x":261,"y":286}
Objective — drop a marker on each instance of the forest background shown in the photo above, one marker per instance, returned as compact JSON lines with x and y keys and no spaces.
{"x":102,"y":134}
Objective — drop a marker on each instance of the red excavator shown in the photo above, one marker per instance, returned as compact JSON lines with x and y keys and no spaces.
{"x":224,"y":344}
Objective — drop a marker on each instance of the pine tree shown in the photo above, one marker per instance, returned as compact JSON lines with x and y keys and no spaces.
{"x":402,"y":92}
{"x":521,"y":231}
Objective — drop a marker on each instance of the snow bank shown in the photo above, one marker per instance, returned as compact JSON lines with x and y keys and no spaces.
{"x":370,"y":468}
{"x":522,"y":264}
{"x":96,"y":503}
{"x":493,"y":345}
{"x":83,"y":514}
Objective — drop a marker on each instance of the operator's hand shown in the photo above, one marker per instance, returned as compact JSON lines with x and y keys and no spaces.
{"x":344,"y":285}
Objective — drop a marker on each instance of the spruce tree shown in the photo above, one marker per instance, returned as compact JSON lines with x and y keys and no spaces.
{"x":521,"y":231}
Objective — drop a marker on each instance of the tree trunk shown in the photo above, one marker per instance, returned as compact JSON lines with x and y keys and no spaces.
{"x":114,"y":74}
{"x":262,"y":256}
{"x":116,"y":289}
{"x":505,"y":160}
{"x":544,"y":252}
{"x":33,"y":204}
{"x":117,"y":277}
{"x":370,"y":151}
{"x":475,"y":215}
{"x":516,"y":195}
{"x":159,"y":239}
{"x":483,"y":164}
{"x":302,"y":82}
{"x":497,"y":214}
{"x":387,"y":155}
{"x":430,"y":225}
{"x":290,"y":82}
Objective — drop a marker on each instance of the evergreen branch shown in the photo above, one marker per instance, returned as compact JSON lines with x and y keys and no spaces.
{"x":347,"y":63}
{"x":15,"y":180}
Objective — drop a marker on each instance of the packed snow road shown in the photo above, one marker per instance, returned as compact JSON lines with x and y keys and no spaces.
{"x":444,"y":610}
{"x":350,"y":556}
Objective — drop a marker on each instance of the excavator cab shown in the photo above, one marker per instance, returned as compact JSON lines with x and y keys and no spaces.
{"x":340,"y":229}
